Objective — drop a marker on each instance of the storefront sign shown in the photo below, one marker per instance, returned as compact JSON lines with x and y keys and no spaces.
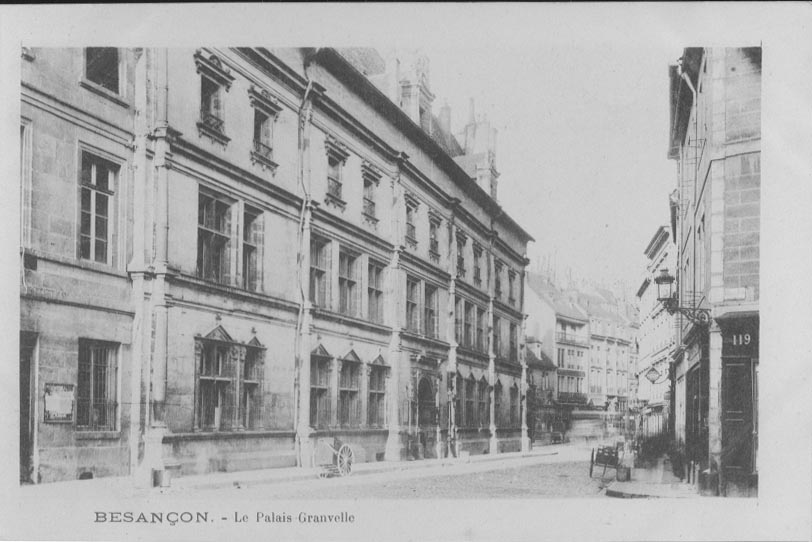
{"x":59,"y":403}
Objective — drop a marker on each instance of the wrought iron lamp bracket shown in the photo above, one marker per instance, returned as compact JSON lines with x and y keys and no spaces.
{"x":696,"y":316}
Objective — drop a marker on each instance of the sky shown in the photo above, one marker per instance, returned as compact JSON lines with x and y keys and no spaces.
{"x":581,"y":145}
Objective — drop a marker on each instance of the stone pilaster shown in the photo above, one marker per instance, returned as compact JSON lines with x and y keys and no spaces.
{"x":715,"y":400}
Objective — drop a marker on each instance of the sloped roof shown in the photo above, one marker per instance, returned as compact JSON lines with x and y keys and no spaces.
{"x":544,"y":362}
{"x":366,"y":60}
{"x":446,"y":140}
{"x":561,"y":304}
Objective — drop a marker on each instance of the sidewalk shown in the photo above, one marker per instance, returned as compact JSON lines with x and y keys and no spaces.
{"x":123,"y":487}
{"x":656,"y":481}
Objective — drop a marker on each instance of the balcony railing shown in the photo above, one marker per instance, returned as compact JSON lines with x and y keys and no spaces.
{"x":263,"y":150}
{"x":211,"y":121}
{"x":571,"y":339}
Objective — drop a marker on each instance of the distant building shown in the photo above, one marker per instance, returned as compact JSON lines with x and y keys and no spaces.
{"x":233,"y":256}
{"x":655,"y":338}
{"x":715,"y":97}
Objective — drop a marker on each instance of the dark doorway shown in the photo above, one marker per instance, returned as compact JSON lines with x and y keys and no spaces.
{"x":426,"y":419}
{"x":738,"y":430}
{"x":696,"y":413}
{"x":27,"y":343}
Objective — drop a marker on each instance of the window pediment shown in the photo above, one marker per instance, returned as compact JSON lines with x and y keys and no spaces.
{"x":213,"y":68}
{"x":219,"y":334}
{"x":351,"y":357}
{"x":370,"y":172}
{"x":336,"y":149}
{"x":263,"y":100}
{"x":321,"y":352}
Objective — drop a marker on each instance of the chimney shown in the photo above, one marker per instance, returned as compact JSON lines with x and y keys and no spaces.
{"x":445,"y":118}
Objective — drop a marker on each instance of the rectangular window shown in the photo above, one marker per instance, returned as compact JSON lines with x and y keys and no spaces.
{"x":497,"y":332}
{"x":412,"y":300}
{"x":213,"y":238}
{"x":318,"y":272}
{"x":349,"y":404}
{"x":211,"y":108}
{"x":468,"y":325}
{"x":214,"y":381}
{"x":511,"y":286}
{"x":96,"y":390}
{"x":459,"y":307}
{"x":484,"y":411}
{"x":430,"y":310}
{"x":470,"y":401}
{"x":252,"y":227}
{"x":251,"y":388}
{"x":411,"y":233}
{"x":560,"y":358}
{"x":514,"y":347}
{"x":477,"y":265}
{"x":460,"y":256}
{"x":375,"y":293}
{"x":98,"y":181}
{"x":481,"y":336}
{"x":497,"y":281}
{"x":334,"y":177}
{"x":262,"y":134}
{"x":497,"y":403}
{"x":102,"y":67}
{"x":369,"y":198}
{"x":347,"y":282}
{"x":319,"y":392}
{"x":434,"y":240}
{"x":376,"y":409}
{"x":514,"y":406}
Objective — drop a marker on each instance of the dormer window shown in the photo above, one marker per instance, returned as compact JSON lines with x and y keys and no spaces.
{"x":336,"y":158}
{"x":215,"y":80}
{"x":266,"y":111}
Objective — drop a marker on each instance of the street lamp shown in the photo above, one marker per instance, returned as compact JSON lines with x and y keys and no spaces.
{"x":667,"y":296}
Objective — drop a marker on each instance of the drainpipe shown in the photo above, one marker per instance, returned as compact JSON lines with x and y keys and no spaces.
{"x":301,"y":384}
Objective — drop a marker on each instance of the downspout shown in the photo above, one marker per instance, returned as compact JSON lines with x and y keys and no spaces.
{"x":302,"y":370}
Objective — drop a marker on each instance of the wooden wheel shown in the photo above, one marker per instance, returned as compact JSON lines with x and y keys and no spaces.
{"x":344,"y":460}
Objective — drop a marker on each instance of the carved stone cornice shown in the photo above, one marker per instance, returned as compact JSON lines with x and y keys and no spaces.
{"x":212,"y":67}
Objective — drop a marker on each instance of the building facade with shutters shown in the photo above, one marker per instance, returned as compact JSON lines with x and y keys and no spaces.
{"x":715,"y":98}
{"x":263,"y":251}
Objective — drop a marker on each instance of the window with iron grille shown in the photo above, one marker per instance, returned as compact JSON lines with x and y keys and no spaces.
{"x":263,"y":136}
{"x":468,"y":323}
{"x":347,"y":284}
{"x":211,"y":107}
{"x":514,"y":406}
{"x":375,"y":292}
{"x":484,"y":411}
{"x":98,"y":181}
{"x":430,"y":311}
{"x":251,"y":245}
{"x":102,"y":67}
{"x":514,"y":348}
{"x":376,"y":409}
{"x":412,"y":301}
{"x":481,"y":336}
{"x":96,"y":390}
{"x":497,"y":403}
{"x":215,"y":386}
{"x":319,"y":392}
{"x":318,"y":272}
{"x":213,"y":238}
{"x":349,"y":404}
{"x":251,"y":388}
{"x":470,"y":401}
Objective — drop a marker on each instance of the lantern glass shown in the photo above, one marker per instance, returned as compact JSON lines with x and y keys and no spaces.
{"x":665,"y":285}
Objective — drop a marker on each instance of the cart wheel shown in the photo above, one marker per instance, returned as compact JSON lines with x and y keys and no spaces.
{"x":591,"y":462}
{"x":344,"y":460}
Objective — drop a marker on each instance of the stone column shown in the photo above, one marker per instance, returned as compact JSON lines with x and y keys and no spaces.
{"x":524,"y":387}
{"x":715,"y":401}
{"x":395,"y":285}
{"x":493,"y":441}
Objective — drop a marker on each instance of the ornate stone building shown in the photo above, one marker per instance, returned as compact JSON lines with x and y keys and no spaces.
{"x":232,"y":256}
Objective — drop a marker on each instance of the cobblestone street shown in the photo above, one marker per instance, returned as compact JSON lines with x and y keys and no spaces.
{"x":553,"y":476}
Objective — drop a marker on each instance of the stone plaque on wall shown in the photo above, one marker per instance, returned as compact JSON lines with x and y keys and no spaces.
{"x":59,"y":403}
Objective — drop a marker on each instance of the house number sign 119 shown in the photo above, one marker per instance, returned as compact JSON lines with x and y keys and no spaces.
{"x":741,"y":339}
